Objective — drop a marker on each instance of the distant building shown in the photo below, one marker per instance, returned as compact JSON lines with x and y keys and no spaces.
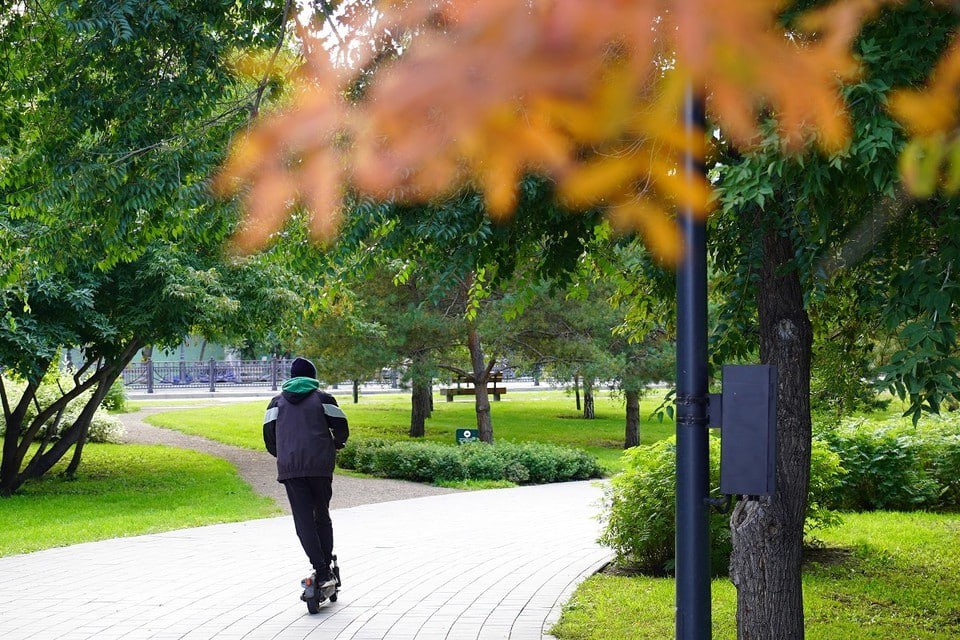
{"x":193,"y":348}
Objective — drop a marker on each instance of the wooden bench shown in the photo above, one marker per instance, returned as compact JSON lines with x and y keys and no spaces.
{"x":472,"y":391}
{"x":460,"y":390}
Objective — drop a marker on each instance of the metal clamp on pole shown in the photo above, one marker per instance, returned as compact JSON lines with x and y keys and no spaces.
{"x":714,"y":410}
{"x":696,"y":413}
{"x":722,"y":504}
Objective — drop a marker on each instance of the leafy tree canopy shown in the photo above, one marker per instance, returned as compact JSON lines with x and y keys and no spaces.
{"x":113,"y":115}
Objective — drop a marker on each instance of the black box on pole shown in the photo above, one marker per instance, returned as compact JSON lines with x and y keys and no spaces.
{"x":748,"y":433}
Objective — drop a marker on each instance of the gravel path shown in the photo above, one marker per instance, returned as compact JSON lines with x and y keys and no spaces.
{"x":259,"y":469}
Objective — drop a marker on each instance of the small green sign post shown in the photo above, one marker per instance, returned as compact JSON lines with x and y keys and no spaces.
{"x":467,"y":435}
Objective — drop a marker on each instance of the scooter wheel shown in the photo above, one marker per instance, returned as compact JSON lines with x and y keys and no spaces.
{"x":313,"y":606}
{"x":333,"y":598}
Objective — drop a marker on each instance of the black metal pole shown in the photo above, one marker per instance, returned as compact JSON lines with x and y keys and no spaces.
{"x":693,"y":533}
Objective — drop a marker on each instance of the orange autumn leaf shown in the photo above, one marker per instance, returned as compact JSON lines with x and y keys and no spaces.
{"x":267,"y":203}
{"x":687,"y":191}
{"x":499,"y":181}
{"x":322,"y":186}
{"x":663,"y":236}
{"x":586,"y":93}
{"x":590,"y":182}
{"x":925,"y":112}
{"x":243,"y":163}
{"x":930,"y":160}
{"x":934,"y":108}
{"x":659,"y":230}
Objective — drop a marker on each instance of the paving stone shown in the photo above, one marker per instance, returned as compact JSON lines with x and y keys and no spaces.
{"x":471,"y":565}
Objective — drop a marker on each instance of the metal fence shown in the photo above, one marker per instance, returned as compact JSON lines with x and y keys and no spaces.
{"x":210,"y":375}
{"x":223,"y":374}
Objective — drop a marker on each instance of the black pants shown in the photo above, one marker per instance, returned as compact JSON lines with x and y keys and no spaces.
{"x":310,"y":504}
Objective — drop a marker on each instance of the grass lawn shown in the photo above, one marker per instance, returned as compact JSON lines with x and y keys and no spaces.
{"x":540,"y":416}
{"x":125,"y":490}
{"x":889,"y":575}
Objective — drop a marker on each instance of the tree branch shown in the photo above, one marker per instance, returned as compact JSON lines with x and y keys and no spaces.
{"x":3,"y":397}
{"x":82,"y":370}
{"x":489,"y":368}
{"x":867,"y":233}
{"x":43,"y":416}
{"x":327,"y":11}
{"x":457,"y":370}
{"x":76,"y":434}
{"x":262,"y":86}
{"x":21,"y":409}
{"x":47,"y":437}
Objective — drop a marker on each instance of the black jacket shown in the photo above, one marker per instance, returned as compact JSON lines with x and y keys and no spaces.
{"x":303,"y":431}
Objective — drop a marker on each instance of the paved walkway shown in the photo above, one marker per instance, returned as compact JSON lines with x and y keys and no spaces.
{"x":259,"y":468}
{"x":417,"y":562}
{"x":463,"y":566}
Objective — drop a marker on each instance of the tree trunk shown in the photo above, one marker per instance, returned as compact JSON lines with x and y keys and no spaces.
{"x":71,"y":470}
{"x":86,"y":416}
{"x":419,"y":408}
{"x":12,"y":453}
{"x":576,"y":391}
{"x":76,"y":434}
{"x":484,"y":422}
{"x":588,"y":412}
{"x":768,"y":533}
{"x":632,"y":435}
{"x":17,"y":440}
{"x":356,"y":391}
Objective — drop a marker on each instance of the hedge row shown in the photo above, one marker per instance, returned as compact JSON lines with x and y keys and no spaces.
{"x":640,"y":506}
{"x":525,"y":463}
{"x":852,"y":468}
{"x":896,"y":470}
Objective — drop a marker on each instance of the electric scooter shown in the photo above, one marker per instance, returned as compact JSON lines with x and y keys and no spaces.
{"x":316,"y":594}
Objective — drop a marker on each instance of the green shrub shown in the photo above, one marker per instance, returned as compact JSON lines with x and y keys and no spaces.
{"x":640,"y":515}
{"x":445,"y":462}
{"x":417,"y":461}
{"x":640,"y":511}
{"x":367,"y":459}
{"x":550,"y":463}
{"x":116,"y":398}
{"x":357,"y":454}
{"x":432,"y":462}
{"x":347,"y":457}
{"x":945,"y":469}
{"x":388,"y":461}
{"x":542,"y":464}
{"x":885,"y":470}
{"x":479,"y":464}
{"x":103,"y":426}
{"x":826,"y":473}
{"x":516,"y":473}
